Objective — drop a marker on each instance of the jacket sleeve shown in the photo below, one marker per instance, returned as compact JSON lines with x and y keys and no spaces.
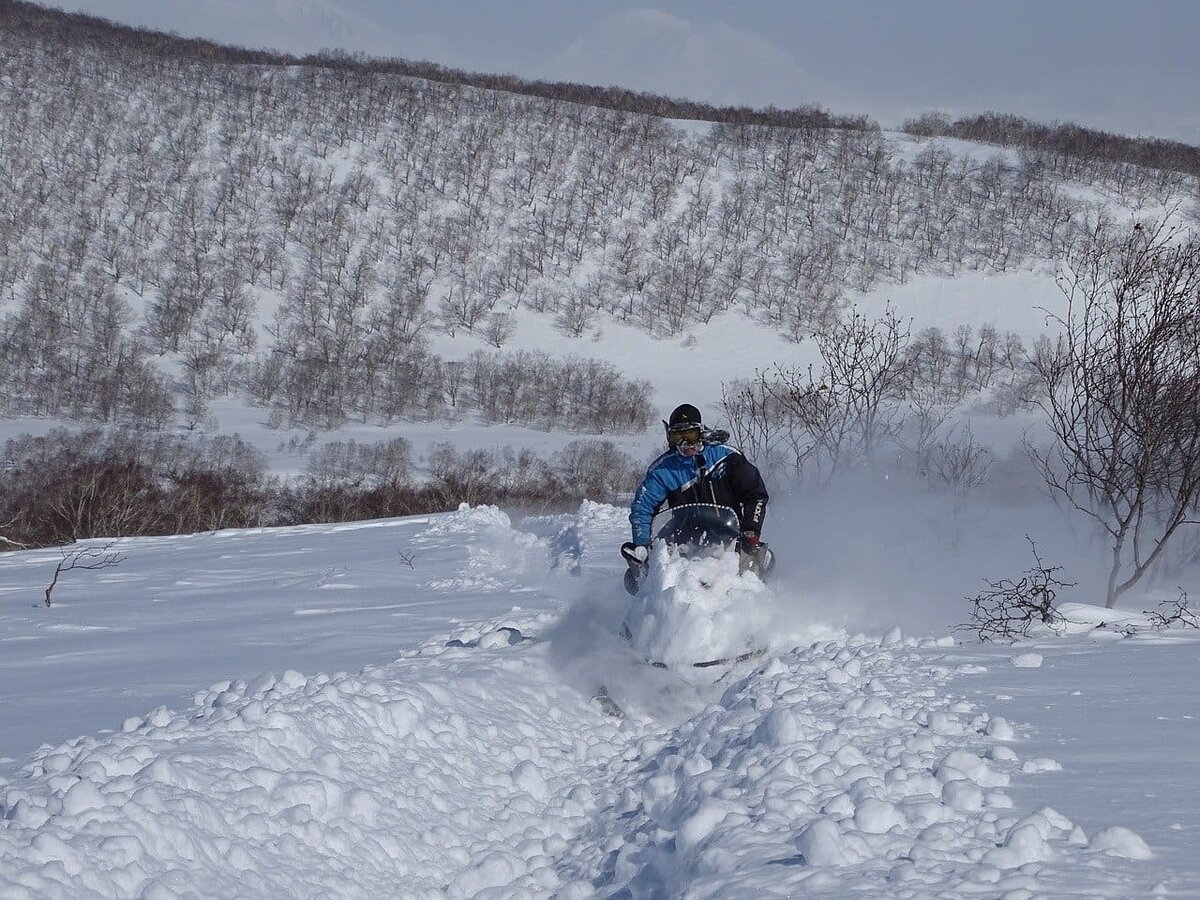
{"x":750,"y":491}
{"x":649,"y":497}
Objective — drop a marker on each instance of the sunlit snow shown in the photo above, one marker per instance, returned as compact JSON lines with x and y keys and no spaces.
{"x":373,"y":728}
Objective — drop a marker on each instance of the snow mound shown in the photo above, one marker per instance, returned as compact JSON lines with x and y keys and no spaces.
{"x":1085,"y":618}
{"x":1027,"y":660}
{"x":467,"y":770}
{"x":474,"y":766}
{"x":796,"y":784}
{"x":428,"y":777}
{"x":1121,"y":842}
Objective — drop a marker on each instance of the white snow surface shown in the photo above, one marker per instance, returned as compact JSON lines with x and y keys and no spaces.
{"x":443,"y":739}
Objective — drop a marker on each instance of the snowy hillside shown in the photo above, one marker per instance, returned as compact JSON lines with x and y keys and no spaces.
{"x":478,"y":764}
{"x":333,"y":245}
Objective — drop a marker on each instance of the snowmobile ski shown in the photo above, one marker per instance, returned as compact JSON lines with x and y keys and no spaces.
{"x":607,"y":704}
{"x":709,"y":663}
{"x":627,"y":635}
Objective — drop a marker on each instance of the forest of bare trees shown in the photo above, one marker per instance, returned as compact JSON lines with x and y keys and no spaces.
{"x":82,"y":28}
{"x":1070,"y":148}
{"x":69,"y":485}
{"x":178,"y":228}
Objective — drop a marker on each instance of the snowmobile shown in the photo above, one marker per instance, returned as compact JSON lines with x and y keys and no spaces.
{"x":693,"y":592}
{"x":695,"y":530}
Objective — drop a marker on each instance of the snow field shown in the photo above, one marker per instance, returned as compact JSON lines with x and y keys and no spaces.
{"x":842,"y":769}
{"x":477,"y":765}
{"x":429,"y":777}
{"x":456,"y":770}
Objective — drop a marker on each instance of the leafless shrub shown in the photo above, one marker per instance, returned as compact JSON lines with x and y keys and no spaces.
{"x":1170,"y":612}
{"x":822,"y":422}
{"x":967,"y":362}
{"x":576,"y":315}
{"x":61,"y":487}
{"x":1010,"y":397}
{"x":596,"y":470}
{"x":576,"y":393}
{"x":499,"y":328}
{"x":486,"y":476}
{"x":66,"y":486}
{"x":311,"y":502}
{"x":758,"y":421}
{"x":1007,"y":609}
{"x":83,"y":558}
{"x":959,"y":464}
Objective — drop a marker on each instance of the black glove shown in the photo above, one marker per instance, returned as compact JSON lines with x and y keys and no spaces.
{"x":629,"y":550}
{"x":750,"y":542}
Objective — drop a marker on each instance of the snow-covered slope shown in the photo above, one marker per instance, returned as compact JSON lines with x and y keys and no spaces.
{"x":478,"y":764}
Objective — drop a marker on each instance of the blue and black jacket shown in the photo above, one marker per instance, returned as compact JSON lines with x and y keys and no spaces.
{"x":718,"y":474}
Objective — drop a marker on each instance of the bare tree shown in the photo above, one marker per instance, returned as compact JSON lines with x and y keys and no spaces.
{"x":757,"y":420}
{"x":88,"y":558}
{"x":959,"y":464}
{"x":1122,"y":394}
{"x":851,"y":407}
{"x":499,"y":328}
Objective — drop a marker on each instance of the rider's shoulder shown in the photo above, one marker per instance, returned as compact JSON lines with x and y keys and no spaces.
{"x":717,"y":452}
{"x":663,"y":461}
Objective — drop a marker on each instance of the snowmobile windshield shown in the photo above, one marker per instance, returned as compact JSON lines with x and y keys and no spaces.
{"x":697,"y":525}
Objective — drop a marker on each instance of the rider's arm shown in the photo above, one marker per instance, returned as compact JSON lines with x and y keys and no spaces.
{"x":751,"y":492}
{"x":647,"y":500}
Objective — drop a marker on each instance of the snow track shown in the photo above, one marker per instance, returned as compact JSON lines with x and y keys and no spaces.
{"x":477,"y":767}
{"x":455,"y":774}
{"x":843,"y":769}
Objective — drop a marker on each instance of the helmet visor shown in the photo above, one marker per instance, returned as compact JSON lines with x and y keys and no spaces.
{"x":690,"y":435}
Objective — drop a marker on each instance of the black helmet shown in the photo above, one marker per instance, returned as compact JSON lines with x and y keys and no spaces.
{"x":684,"y":430}
{"x":683,"y":417}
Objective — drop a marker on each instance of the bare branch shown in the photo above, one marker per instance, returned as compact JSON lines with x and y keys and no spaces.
{"x":1177,"y":611}
{"x":1009,"y":608}
{"x":88,"y":558}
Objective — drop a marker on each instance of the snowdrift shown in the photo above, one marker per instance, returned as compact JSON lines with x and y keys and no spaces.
{"x":476,"y":765}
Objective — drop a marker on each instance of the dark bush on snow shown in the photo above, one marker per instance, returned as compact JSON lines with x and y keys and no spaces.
{"x":66,"y":486}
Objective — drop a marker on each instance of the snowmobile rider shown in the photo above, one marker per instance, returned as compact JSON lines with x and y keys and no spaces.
{"x":698,"y":467}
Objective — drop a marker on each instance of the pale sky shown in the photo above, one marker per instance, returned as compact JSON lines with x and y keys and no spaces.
{"x":1131,"y":67}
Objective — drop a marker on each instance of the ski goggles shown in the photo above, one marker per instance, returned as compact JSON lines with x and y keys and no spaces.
{"x":692,"y":436}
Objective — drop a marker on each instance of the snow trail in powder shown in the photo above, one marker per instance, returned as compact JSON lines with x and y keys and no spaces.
{"x":477,"y":765}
